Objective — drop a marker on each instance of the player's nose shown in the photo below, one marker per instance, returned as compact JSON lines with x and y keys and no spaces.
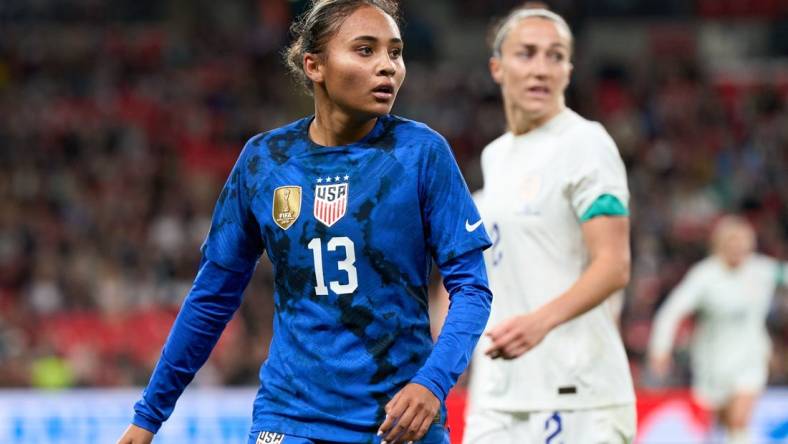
{"x":386,"y":66}
{"x":539,"y":66}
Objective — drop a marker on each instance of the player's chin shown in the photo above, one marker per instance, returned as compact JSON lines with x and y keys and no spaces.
{"x":537,"y":111}
{"x":535,"y":107}
{"x":380,"y":107}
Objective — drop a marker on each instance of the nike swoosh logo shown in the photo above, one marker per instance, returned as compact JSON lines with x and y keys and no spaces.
{"x":469,"y":227}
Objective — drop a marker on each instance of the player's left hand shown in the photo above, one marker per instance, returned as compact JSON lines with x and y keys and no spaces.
{"x":409,"y":414}
{"x":515,"y":336}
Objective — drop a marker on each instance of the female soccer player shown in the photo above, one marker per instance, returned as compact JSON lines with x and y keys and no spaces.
{"x":732,"y":289}
{"x":551,"y":367}
{"x":351,"y":205}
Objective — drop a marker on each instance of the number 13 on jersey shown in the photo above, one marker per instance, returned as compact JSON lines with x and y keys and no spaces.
{"x":346,"y":265}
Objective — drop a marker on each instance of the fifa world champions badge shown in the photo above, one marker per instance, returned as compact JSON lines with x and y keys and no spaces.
{"x":286,"y":206}
{"x":331,"y":195}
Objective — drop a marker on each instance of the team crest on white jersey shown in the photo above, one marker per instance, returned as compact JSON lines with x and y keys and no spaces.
{"x":331,"y":196}
{"x":286,"y":206}
{"x":530,"y":187}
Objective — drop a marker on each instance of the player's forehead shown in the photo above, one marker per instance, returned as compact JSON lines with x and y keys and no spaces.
{"x":537,"y":31}
{"x":367,"y":23}
{"x":733,"y":227}
{"x":738,"y":233}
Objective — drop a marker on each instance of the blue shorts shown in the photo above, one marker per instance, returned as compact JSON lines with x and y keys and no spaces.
{"x":437,"y":434}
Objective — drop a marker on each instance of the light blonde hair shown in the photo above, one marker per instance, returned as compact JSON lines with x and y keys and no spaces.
{"x":531,"y":9}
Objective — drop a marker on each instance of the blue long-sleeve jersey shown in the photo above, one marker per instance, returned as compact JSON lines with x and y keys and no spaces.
{"x":351,"y":232}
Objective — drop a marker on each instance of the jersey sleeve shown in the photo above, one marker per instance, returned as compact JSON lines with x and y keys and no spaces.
{"x":215,"y":296}
{"x":682,"y":301}
{"x":452,"y":222}
{"x":598,"y":178}
{"x":465,"y":278}
{"x":234,"y":240}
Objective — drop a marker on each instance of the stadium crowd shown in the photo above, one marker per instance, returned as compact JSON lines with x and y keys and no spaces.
{"x":119,"y":125}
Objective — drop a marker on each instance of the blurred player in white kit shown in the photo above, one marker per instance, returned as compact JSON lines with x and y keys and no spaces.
{"x":551,"y":367}
{"x":731,"y":290}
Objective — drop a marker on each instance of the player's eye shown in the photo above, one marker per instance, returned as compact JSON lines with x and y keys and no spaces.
{"x":364,"y":50}
{"x":396,"y":53}
{"x":556,"y":56}
{"x":526,"y":53}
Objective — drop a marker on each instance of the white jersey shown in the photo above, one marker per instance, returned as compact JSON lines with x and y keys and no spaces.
{"x":730,"y":341}
{"x":536,"y":188}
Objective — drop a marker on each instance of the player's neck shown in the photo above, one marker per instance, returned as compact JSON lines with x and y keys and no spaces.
{"x":732,"y":264}
{"x":334,"y":127}
{"x":520,"y":121}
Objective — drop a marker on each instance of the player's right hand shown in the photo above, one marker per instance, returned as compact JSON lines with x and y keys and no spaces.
{"x":513,"y":337}
{"x":409,"y":415}
{"x":136,"y":435}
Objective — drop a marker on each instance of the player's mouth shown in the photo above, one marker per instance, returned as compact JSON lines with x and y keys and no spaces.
{"x":383,"y":92}
{"x":538,"y":91}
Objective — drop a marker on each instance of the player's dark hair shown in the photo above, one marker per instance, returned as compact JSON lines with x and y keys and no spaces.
{"x":317,"y":24}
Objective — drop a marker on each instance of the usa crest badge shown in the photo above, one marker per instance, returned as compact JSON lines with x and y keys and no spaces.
{"x":286,"y":206}
{"x":331,"y":196}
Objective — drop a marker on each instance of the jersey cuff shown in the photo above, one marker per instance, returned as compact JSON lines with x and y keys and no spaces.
{"x":429,"y":385}
{"x":146,"y":423}
{"x":605,"y":205}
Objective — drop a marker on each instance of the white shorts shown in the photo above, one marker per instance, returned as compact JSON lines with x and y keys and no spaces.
{"x":608,"y":425}
{"x":714,"y":390}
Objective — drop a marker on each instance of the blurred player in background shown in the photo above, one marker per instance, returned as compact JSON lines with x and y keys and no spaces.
{"x":351,"y":205}
{"x":731,"y":291}
{"x":551,"y":366}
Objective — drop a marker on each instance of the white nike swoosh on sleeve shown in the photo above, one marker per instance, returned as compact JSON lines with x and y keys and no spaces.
{"x":469,"y":228}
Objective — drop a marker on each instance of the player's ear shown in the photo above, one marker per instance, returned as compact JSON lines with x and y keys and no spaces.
{"x":495,"y":69}
{"x":313,"y":67}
